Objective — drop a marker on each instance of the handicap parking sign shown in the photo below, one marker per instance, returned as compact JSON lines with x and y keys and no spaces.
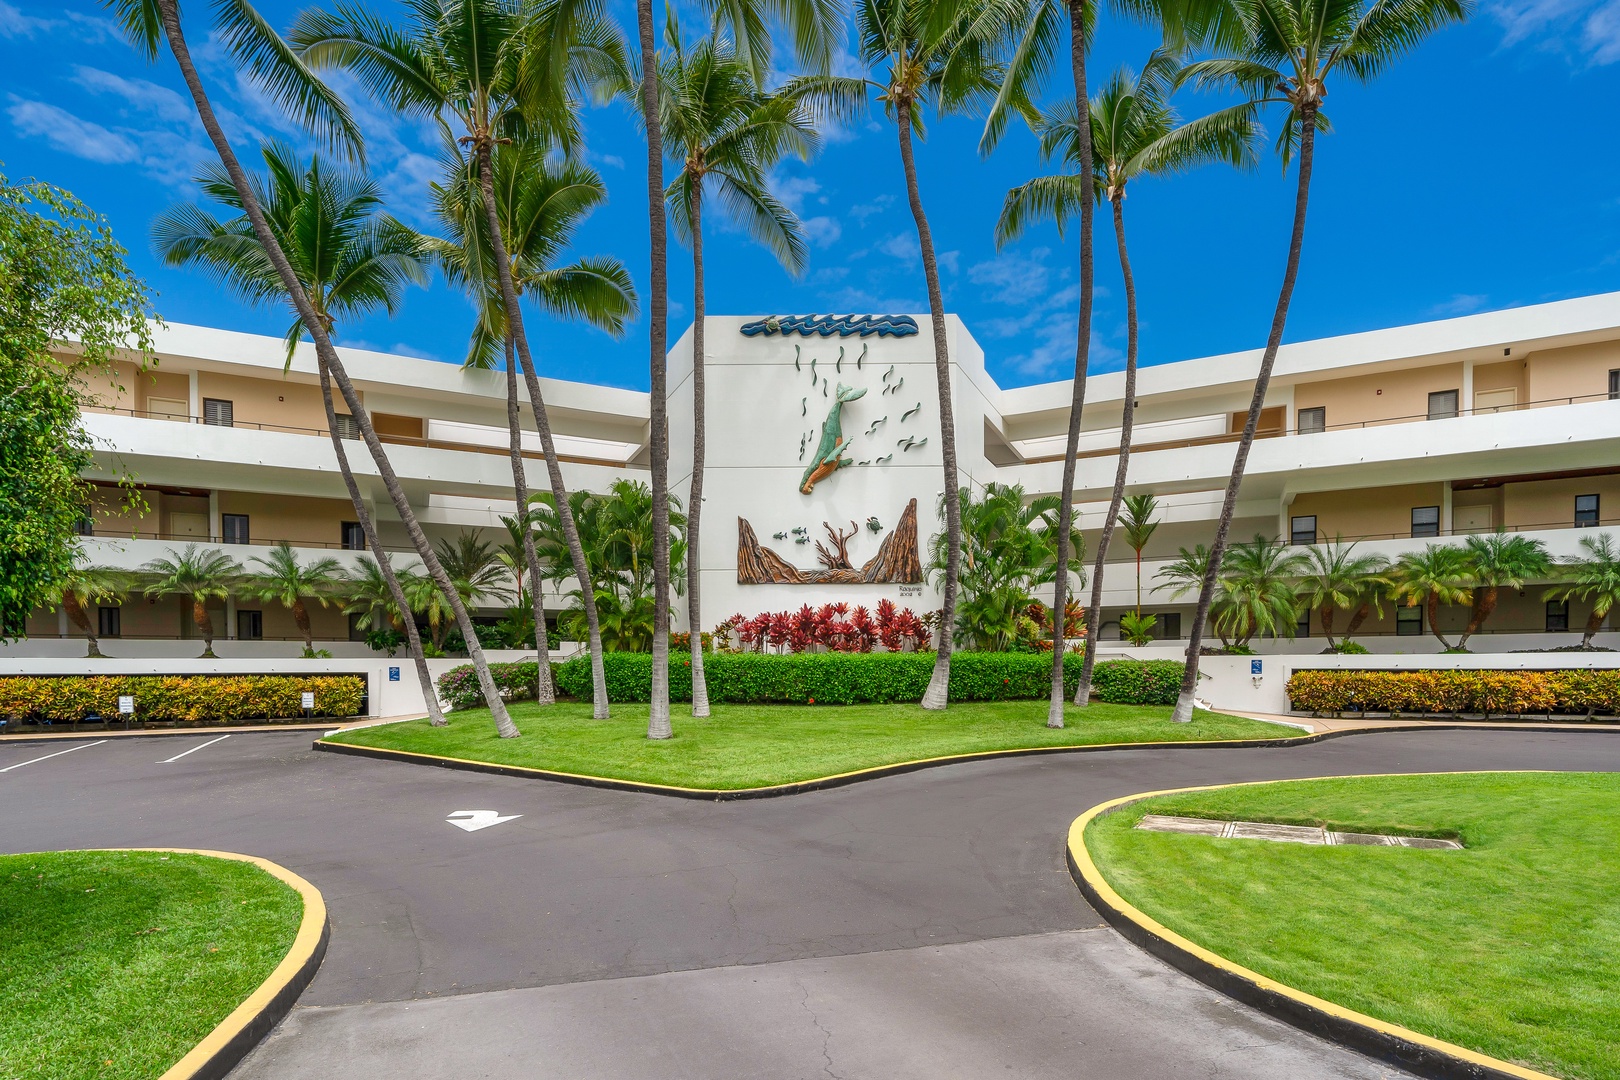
{"x":393,"y":674}
{"x":1254,"y":667}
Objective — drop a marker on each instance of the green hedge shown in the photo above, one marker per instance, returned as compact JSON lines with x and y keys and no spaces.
{"x":1456,"y":690}
{"x":189,"y":698}
{"x":830,"y":678}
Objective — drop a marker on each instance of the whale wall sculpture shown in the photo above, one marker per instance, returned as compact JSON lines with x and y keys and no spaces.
{"x":828,"y":325}
{"x":897,"y":561}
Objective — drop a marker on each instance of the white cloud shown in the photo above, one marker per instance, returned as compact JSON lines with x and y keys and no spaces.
{"x":88,"y":28}
{"x":901,"y":246}
{"x":1590,"y":28}
{"x":822,"y":231}
{"x":1014,"y":277}
{"x":69,"y":134}
{"x":14,"y":23}
{"x":829,"y":275}
{"x":1459,"y":304}
{"x":145,"y":96}
{"x":861,"y":211}
{"x":950,"y":260}
{"x":791,"y":190}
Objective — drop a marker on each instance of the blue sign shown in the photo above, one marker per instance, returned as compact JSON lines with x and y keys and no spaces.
{"x":1254,"y":667}
{"x":393,"y":674}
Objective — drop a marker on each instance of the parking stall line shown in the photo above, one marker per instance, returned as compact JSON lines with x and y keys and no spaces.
{"x":193,"y":750}
{"x":59,"y":753}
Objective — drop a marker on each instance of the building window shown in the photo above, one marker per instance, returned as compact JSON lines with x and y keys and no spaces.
{"x":347,"y":426}
{"x":1408,"y":621}
{"x":1614,"y":385}
{"x":1586,"y":510}
{"x":1442,"y":405}
{"x":109,"y":622}
{"x":1425,"y":521}
{"x":355,"y":632}
{"x":235,"y":527}
{"x":1168,"y":627}
{"x":1557,"y":616}
{"x":250,"y":625}
{"x":218,"y":413}
{"x":1302,"y":529}
{"x":354,"y":537}
{"x":1313,"y":421}
{"x":1302,"y":626}
{"x":85,"y":526}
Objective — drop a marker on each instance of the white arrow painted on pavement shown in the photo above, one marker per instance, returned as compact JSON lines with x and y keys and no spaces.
{"x":473,"y":820}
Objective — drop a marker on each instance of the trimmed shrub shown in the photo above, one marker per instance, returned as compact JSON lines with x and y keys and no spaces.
{"x":829,"y":678}
{"x":1501,"y":693}
{"x":190,"y":698}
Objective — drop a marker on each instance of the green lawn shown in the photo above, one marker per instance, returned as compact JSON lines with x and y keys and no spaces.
{"x":1510,"y":947}
{"x":113,"y":965}
{"x":744,"y":746}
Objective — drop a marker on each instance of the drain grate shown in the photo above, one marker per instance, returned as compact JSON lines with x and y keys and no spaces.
{"x":1287,"y":834}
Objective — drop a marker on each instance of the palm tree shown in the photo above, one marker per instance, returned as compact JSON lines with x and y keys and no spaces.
{"x":349,"y":258}
{"x":87,"y":586}
{"x":1137,"y":521}
{"x":278,"y":71}
{"x":1134,"y":132}
{"x":474,"y":564}
{"x":1593,"y":577}
{"x":541,"y":201}
{"x":1261,"y":595}
{"x":1286,"y":51}
{"x":1336,"y":579}
{"x":1439,"y":574}
{"x":200,"y":574}
{"x":369,"y":596}
{"x":285,"y":581}
{"x":1498,"y":561}
{"x":921,"y":53}
{"x":726,"y":134}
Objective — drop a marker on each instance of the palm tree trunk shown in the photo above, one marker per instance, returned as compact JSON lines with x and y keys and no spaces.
{"x":170,"y":14}
{"x":658,"y":721}
{"x":205,"y":626}
{"x":81,"y":619}
{"x":1138,"y":582}
{"x":1594,"y":623}
{"x":1262,"y":381}
{"x":938,"y":693}
{"x":300,"y":616}
{"x":1082,"y":693}
{"x":694,"y":498}
{"x":545,"y":692}
{"x":1082,"y":353}
{"x":1484,"y":604}
{"x":1432,"y":606}
{"x":1357,"y":619}
{"x":519,"y":339}
{"x":413,"y":639}
{"x":1327,"y":627}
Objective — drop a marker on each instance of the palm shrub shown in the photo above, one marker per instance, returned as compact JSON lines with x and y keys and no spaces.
{"x":1137,"y":522}
{"x":282,"y":579}
{"x":1592,"y":578}
{"x":1437,"y":575}
{"x":84,"y":587}
{"x":1498,"y":561}
{"x":199,"y":575}
{"x":1334,"y":579}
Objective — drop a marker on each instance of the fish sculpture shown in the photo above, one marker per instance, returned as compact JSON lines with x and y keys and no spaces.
{"x":796,"y":366}
{"x":861,"y":357}
{"x":911,"y":412}
{"x":875,"y":424}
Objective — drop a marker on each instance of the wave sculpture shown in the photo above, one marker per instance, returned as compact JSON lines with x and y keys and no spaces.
{"x":828,"y":325}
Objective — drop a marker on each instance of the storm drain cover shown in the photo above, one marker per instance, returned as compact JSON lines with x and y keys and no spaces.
{"x":1287,"y":834}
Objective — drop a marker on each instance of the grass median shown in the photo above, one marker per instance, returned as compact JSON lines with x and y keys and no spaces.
{"x":745,"y":746}
{"x":114,"y":964}
{"x":1510,"y":947}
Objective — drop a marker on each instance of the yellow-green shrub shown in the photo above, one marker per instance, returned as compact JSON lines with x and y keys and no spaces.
{"x":1438,"y":690}
{"x":190,"y":698}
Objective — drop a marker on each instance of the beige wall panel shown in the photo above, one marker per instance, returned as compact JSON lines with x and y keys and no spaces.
{"x":145,"y":619}
{"x":116,"y":390}
{"x":272,"y":402}
{"x":1578,"y":371}
{"x":1509,"y":374}
{"x":1353,"y":401}
{"x":1552,"y":502}
{"x":1383,"y":511}
{"x":113,"y":519}
{"x":169,"y":385}
{"x":294,"y":518}
{"x":180,"y":515}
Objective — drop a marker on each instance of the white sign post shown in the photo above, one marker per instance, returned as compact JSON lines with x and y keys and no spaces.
{"x":126,"y":704}
{"x":309,"y":701}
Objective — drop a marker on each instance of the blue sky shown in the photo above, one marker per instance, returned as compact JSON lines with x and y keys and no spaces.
{"x":1479,"y":173}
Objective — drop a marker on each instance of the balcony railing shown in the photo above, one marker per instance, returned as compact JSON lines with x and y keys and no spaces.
{"x":1279,"y":432}
{"x":256,"y":541}
{"x":391,"y":440}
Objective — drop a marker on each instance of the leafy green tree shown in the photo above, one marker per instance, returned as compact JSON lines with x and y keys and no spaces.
{"x":200,"y":575}
{"x":85,"y":587}
{"x":348,"y":257}
{"x":282,"y":579}
{"x":1497,"y":561}
{"x":540,"y":201}
{"x":1283,"y":52}
{"x":62,"y":279}
{"x":920,"y":54}
{"x":1135,"y":132}
{"x":1335,"y":578}
{"x":1592,"y":578}
{"x":1439,"y":574}
{"x":726,"y":134}
{"x":1009,"y":550}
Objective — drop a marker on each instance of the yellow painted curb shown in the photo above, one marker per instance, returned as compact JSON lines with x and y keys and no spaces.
{"x":1433,"y":1057}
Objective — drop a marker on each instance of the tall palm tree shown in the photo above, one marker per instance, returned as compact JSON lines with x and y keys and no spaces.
{"x":921,"y":53}
{"x":1439,"y":574}
{"x":1139,"y":526}
{"x":277,"y":70}
{"x":540,"y":202}
{"x":1497,"y":561}
{"x":726,"y":133}
{"x":200,"y":575}
{"x":1135,"y":132}
{"x":1593,"y":577}
{"x":1334,"y":579}
{"x":283,"y":580}
{"x":350,"y":258}
{"x":90,"y":586}
{"x":1285,"y":51}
